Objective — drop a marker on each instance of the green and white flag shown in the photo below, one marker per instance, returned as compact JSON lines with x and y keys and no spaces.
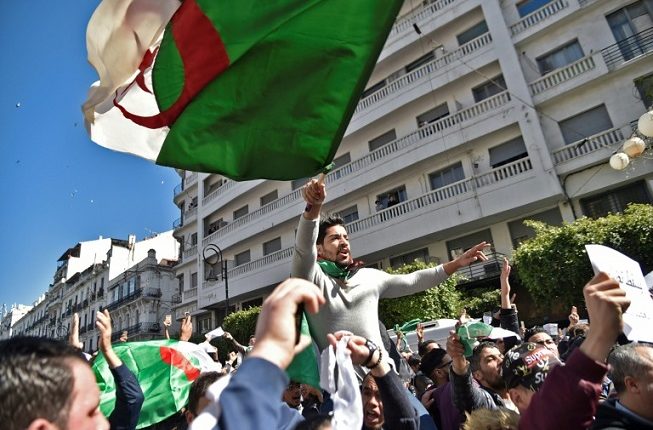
{"x":165,"y":369}
{"x":248,"y":89}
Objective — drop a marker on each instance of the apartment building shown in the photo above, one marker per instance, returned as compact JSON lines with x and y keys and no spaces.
{"x":478,"y":115}
{"x":133,"y":279}
{"x":10,"y":317}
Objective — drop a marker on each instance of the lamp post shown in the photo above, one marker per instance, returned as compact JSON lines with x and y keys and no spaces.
{"x":212,"y":255}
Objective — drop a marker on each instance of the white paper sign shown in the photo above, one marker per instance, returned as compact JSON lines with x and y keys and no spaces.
{"x":638,"y":319}
{"x":649,"y":281}
{"x":218,"y":332}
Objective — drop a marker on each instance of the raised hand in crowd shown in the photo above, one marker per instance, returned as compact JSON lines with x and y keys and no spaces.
{"x":419,"y":331}
{"x":314,"y":194}
{"x":606,"y":302}
{"x":103,"y":324}
{"x":186,"y":328}
{"x":574,"y":318}
{"x":276,"y":328}
{"x":73,"y":336}
{"x":505,"y":284}
{"x":361,"y":353}
{"x":241,"y":348}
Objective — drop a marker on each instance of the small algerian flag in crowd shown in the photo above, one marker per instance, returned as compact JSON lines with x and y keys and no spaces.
{"x":303,"y":367}
{"x":165,"y":369}
{"x":248,"y":89}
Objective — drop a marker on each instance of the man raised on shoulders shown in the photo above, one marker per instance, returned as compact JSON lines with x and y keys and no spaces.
{"x":323,"y":256}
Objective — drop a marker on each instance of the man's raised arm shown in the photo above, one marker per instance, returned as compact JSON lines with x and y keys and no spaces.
{"x":305,"y":256}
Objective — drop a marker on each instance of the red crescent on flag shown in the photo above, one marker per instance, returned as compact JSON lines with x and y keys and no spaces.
{"x":175,"y":358}
{"x":203,"y":55}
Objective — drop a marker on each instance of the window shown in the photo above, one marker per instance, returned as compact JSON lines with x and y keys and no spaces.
{"x":585,"y":124}
{"x":520,"y":232}
{"x":560,"y":57}
{"x":457,"y":246}
{"x":374,"y":88}
{"x":391,"y":198}
{"x":193,"y":239}
{"x":382,"y":140}
{"x":271,"y":246}
{"x":215,"y":226}
{"x":627,"y":22}
{"x":209,"y":186}
{"x":420,"y":62}
{"x":241,"y":212}
{"x":204,"y":324}
{"x":433,"y":115}
{"x":269,"y":198}
{"x":193,"y":280}
{"x":242,"y":258}
{"x":615,"y":201}
{"x":507,"y":152}
{"x":644,"y":86}
{"x":446,"y":176}
{"x":529,"y":6}
{"x":400,"y":260}
{"x":490,"y":88}
{"x":251,"y":303}
{"x":180,"y":280}
{"x":472,"y":33}
{"x":349,"y":214}
{"x":342,"y":160}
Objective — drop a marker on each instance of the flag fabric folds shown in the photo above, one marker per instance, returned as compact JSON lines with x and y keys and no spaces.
{"x":248,"y":90}
{"x":165,"y":369}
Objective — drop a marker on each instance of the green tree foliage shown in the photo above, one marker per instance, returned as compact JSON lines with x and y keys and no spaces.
{"x":242,"y":324}
{"x":441,"y":302}
{"x":554,"y":266}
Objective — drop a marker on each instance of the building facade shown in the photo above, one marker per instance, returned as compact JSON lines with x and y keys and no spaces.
{"x":10,"y":318}
{"x":478,"y":115}
{"x":133,"y":279}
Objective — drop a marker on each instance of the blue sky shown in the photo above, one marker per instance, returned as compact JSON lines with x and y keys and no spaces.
{"x":59,"y":188}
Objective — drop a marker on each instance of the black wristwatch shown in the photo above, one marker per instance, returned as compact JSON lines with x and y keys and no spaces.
{"x":372,"y":347}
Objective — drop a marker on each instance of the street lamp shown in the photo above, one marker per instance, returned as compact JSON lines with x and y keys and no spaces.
{"x":212,"y":255}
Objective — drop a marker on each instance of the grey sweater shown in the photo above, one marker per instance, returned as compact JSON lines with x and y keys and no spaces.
{"x":352,"y":305}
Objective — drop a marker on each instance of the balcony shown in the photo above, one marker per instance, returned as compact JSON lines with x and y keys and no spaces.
{"x":424,"y":72}
{"x":483,"y":270}
{"x":538,"y":16}
{"x":190,"y":252}
{"x":190,"y":213}
{"x":421,"y":137}
{"x":568,"y":157}
{"x":178,"y":223}
{"x":139,"y":292}
{"x":272,"y":258}
{"x":217,"y":192}
{"x":136,"y":329}
{"x":191,"y":179}
{"x":419,"y":16}
{"x":628,"y":49}
{"x":442,"y":196}
{"x":562,"y":75}
{"x":189,"y":294}
{"x":176,"y":298}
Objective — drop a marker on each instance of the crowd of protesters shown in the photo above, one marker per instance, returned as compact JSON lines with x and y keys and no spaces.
{"x":585,"y":377}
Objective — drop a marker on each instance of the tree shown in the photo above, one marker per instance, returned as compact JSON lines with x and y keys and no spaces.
{"x":553,"y":265}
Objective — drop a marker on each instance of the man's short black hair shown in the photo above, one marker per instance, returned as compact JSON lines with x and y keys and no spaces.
{"x":36,"y":381}
{"x":327,"y":223}
{"x":198,"y":389}
{"x":475,"y":360}
{"x":533,"y":331}
{"x":421,"y":347}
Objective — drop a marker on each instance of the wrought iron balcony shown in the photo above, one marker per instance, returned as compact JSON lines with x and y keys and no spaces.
{"x":628,"y":49}
{"x":482,"y":270}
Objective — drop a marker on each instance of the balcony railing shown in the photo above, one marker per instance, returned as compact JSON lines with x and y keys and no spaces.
{"x":178,"y":223}
{"x":483,"y":270}
{"x":538,"y":16}
{"x":420,"y":14}
{"x":628,"y":49}
{"x":423,"y":71}
{"x":443,"y":194}
{"x":562,"y":75}
{"x":605,"y":139}
{"x":190,"y":213}
{"x":176,"y":298}
{"x":190,"y":252}
{"x":139,"y":292}
{"x":190,"y":294}
{"x":190,"y":179}
{"x":222,"y":189}
{"x":178,"y":189}
{"x":274,"y":257}
{"x":423,"y":134}
{"x":138,"y":328}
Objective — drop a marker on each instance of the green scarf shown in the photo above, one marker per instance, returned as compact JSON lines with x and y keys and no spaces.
{"x":334,"y":270}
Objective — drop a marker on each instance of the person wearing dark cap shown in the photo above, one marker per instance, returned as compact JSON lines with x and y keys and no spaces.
{"x":439,"y":398}
{"x":524,"y":369}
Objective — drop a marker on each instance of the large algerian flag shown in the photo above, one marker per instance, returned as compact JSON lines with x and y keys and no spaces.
{"x":248,"y":88}
{"x":165,"y":369}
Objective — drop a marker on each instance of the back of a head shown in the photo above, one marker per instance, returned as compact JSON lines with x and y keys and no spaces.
{"x":626,"y":360}
{"x":327,"y":223}
{"x":36,"y":381}
{"x":198,"y":389}
{"x":494,"y":419}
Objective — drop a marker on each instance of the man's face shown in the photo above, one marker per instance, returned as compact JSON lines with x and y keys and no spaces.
{"x":84,"y":410}
{"x":645,"y":381}
{"x":252,"y":341}
{"x":293,"y":395}
{"x":490,"y":371}
{"x":546,"y":341}
{"x":372,"y":406}
{"x":335,"y":246}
